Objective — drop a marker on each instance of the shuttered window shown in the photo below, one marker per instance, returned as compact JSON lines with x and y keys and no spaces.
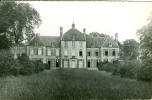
{"x":57,"y":52}
{"x":48,"y":52}
{"x":106,"y":52}
{"x":31,"y":51}
{"x":40,"y":51}
{"x":65,"y":52}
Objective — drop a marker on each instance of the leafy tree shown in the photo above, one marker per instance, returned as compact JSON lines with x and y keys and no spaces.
{"x":96,"y":34}
{"x":18,"y":20}
{"x":130,"y":49}
{"x":4,"y":42}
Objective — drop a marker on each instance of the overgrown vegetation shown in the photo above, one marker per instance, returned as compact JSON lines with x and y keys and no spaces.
{"x":20,"y":66}
{"x":128,"y":69}
{"x":72,"y":84}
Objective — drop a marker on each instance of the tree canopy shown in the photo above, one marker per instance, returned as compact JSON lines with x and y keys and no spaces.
{"x":96,"y":34}
{"x":145,"y":37}
{"x":130,"y":49}
{"x":18,"y":20}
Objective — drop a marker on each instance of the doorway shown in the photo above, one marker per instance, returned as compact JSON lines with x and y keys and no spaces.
{"x":57,"y":63}
{"x":88,"y":63}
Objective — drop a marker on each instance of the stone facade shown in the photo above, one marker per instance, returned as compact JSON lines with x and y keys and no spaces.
{"x":72,"y":49}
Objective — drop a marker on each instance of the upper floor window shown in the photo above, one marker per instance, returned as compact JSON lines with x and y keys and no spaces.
{"x":65,"y":52}
{"x":89,"y":53}
{"x":114,"y":52}
{"x":80,"y":52}
{"x":31,"y":51}
{"x":80,"y":43}
{"x":73,"y":43}
{"x":48,"y":52}
{"x":96,"y":53}
{"x":73,"y":52}
{"x":57,"y":52}
{"x":106,"y":52}
{"x":65,"y":44}
{"x":39,"y":51}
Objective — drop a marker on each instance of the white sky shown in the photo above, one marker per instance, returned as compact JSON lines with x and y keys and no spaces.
{"x":123,"y":18}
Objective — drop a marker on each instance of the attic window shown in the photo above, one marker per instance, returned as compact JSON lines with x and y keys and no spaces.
{"x":36,"y":43}
{"x":73,"y":37}
{"x":110,"y":44}
{"x":52,"y":45}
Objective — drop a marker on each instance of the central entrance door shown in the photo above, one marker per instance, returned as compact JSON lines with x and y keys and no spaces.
{"x":73,"y":63}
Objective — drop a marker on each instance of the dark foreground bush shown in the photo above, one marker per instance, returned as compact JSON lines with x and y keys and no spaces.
{"x":27,"y":67}
{"x":145,"y":73}
{"x":39,"y":66}
{"x":8,"y":66}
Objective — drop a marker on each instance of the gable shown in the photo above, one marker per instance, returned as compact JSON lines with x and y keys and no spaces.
{"x":51,"y":41}
{"x":36,"y":40}
{"x":110,"y":40}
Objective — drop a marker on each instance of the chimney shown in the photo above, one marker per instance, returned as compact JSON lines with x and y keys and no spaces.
{"x":61,"y":32}
{"x":84,"y":30}
{"x":116,"y":37}
{"x":73,"y":26}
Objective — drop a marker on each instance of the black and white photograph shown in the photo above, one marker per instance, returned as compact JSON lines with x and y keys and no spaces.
{"x":81,"y":50}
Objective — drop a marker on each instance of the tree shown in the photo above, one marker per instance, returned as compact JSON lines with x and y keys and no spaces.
{"x":96,"y":34}
{"x":4,"y":42}
{"x":145,"y":37}
{"x":130,"y":49}
{"x":18,"y":20}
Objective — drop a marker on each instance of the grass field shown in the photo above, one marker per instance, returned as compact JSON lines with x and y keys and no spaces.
{"x":72,"y":84}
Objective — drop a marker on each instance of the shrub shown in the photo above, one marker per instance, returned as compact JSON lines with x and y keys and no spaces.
{"x":39,"y":66}
{"x":46,"y":66}
{"x":27,"y":67}
{"x":129,"y":69}
{"x":8,"y":66}
{"x":145,"y":73}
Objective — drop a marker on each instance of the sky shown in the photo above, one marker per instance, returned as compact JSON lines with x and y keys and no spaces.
{"x":124,"y":18}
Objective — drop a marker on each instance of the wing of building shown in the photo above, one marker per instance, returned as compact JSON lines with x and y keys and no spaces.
{"x":73,"y":49}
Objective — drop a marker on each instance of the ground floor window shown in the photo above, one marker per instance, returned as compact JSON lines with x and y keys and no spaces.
{"x":57,"y":63}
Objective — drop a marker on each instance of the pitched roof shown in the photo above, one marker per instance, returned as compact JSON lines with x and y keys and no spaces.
{"x":96,"y":41}
{"x":73,"y":32}
{"x":110,"y":40}
{"x":38,"y":39}
{"x":48,"y":40}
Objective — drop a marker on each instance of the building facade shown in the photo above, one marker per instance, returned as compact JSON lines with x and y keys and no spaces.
{"x":73,"y":49}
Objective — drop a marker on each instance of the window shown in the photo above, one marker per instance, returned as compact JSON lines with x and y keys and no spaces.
{"x":80,"y":43}
{"x":65,"y":44}
{"x":31,"y":51}
{"x":73,"y":37}
{"x":73,"y":43}
{"x":53,"y":45}
{"x":80,"y":52}
{"x":39,"y":51}
{"x":89,"y":53}
{"x":114,"y":52}
{"x":110,"y":44}
{"x":48,"y":52}
{"x":36,"y":43}
{"x":65,"y":52}
{"x":96,"y":53}
{"x":106,"y":52}
{"x":73,"y":52}
{"x":57,"y":52}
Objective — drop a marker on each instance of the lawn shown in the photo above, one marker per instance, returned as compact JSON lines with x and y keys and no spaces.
{"x":72,"y":84}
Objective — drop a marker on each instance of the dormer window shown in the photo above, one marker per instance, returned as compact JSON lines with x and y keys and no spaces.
{"x":73,"y":37}
{"x":110,"y":44}
{"x":52,"y":45}
{"x":36,"y":43}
